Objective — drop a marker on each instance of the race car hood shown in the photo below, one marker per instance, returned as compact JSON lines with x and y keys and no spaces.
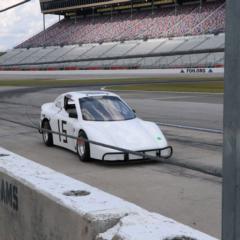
{"x":132,"y":134}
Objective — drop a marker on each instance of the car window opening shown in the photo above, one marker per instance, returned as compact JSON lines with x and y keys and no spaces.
{"x":105,"y":108}
{"x":69,"y":105}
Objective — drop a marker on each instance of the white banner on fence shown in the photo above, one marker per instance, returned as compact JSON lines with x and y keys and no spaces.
{"x":202,"y":70}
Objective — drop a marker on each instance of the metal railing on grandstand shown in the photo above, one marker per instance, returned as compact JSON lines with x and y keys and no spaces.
{"x":126,"y":57}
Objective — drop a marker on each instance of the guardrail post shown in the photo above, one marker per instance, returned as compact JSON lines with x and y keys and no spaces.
{"x":231,"y":152}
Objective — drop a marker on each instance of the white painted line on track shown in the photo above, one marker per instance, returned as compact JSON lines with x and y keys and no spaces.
{"x":219,"y":131}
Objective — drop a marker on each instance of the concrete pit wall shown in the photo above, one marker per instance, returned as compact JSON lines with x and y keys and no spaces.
{"x":111,"y":74}
{"x":37,"y":203}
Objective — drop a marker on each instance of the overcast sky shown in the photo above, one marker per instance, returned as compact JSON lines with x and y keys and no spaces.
{"x":20,"y":23}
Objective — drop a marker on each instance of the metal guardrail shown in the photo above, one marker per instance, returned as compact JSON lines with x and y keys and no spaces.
{"x":123,"y":150}
{"x":205,"y":170}
{"x":210,"y":130}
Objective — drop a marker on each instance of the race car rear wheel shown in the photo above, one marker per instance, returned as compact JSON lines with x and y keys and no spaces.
{"x":83,"y":149}
{"x":47,"y":136}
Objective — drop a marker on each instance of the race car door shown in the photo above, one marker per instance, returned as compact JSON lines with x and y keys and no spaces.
{"x":64,"y":122}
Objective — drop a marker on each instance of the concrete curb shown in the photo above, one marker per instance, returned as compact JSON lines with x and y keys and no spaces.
{"x":39,"y":203}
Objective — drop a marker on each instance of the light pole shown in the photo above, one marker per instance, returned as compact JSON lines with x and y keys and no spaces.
{"x":231,"y":151}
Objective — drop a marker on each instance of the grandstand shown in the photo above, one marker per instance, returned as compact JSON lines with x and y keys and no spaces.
{"x":125,"y":34}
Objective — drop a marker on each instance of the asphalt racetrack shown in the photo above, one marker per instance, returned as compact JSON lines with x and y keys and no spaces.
{"x":188,"y":196}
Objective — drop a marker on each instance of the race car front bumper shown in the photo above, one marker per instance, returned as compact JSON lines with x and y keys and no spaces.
{"x":161,"y":153}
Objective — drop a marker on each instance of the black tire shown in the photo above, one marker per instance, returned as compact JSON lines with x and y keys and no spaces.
{"x":83,"y":149}
{"x":47,"y":136}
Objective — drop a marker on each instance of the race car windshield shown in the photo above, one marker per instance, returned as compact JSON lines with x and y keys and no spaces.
{"x":105,"y":108}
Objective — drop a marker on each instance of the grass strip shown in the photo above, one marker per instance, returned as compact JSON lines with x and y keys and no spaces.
{"x":208,"y":87}
{"x":54,"y":82}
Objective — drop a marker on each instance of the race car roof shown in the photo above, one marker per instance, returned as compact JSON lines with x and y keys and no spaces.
{"x":81,"y":94}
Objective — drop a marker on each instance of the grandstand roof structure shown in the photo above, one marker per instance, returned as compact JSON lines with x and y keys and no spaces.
{"x":78,"y":7}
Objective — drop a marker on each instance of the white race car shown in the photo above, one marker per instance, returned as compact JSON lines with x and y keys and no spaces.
{"x":101,"y":117}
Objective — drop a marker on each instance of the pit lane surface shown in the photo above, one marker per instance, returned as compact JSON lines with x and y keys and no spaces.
{"x":187,"y":196}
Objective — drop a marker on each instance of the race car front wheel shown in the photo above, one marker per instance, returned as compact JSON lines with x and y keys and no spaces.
{"x":47,"y":136}
{"x":83,"y":149}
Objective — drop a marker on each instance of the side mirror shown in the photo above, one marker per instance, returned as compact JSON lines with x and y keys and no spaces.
{"x":73,"y":115}
{"x":134,"y":110}
{"x":58,"y":104}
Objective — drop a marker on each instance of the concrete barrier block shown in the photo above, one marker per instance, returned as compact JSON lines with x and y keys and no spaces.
{"x":144,"y":226}
{"x":108,"y":74}
{"x":37,"y":203}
